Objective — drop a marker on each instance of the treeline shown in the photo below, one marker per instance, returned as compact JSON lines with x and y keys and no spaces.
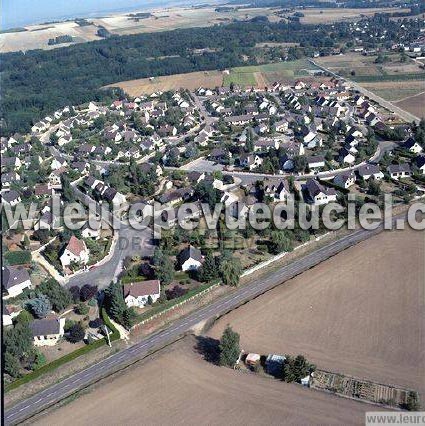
{"x":37,"y":82}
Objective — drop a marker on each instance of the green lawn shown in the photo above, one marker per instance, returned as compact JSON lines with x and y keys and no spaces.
{"x":242,"y":79}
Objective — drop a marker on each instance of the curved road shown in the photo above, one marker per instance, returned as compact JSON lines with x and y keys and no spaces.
{"x":57,"y":392}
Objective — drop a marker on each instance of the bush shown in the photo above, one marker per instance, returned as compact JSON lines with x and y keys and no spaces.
{"x":229,"y":347}
{"x":176,"y":291}
{"x":295,"y":369}
{"x":96,"y":323}
{"x":75,"y":293}
{"x":87,"y":292}
{"x":59,"y":297}
{"x":18,"y":257}
{"x":40,"y":306}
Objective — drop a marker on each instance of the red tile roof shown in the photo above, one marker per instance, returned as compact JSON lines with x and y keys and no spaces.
{"x":76,"y":246}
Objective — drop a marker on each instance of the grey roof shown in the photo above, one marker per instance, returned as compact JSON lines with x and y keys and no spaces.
{"x":368,"y":169}
{"x":11,"y":276}
{"x":43,"y":327}
{"x":314,"y":188}
{"x":398,"y":168}
{"x":190,"y":253}
{"x":10,"y":196}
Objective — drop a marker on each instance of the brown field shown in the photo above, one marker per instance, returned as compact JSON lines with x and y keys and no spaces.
{"x":359,"y":313}
{"x":191,"y":81}
{"x":325,"y":16}
{"x":414,"y":104}
{"x":395,"y":91}
{"x":180,"y":388}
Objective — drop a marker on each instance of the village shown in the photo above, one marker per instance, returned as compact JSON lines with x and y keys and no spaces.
{"x":316,"y":140}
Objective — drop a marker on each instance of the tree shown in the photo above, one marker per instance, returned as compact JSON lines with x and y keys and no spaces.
{"x":87,"y":292}
{"x":229,"y":347}
{"x":12,"y":365}
{"x":76,"y":333}
{"x":18,"y":340}
{"x":59,"y":296}
{"x":129,"y":317}
{"x":295,"y":369}
{"x":24,"y":317}
{"x":75,"y":293}
{"x":208,"y":271}
{"x":114,"y":302}
{"x":40,"y":306}
{"x":279,"y":242}
{"x":164,"y":268}
{"x":230,"y":271}
{"x":82,"y":309}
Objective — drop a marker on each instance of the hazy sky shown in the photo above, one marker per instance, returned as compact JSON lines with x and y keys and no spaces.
{"x":15,"y":13}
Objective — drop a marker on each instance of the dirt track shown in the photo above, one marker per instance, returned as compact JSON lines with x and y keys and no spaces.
{"x":360,"y":313}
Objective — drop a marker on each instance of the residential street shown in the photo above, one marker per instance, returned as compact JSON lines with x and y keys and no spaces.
{"x":55,"y":393}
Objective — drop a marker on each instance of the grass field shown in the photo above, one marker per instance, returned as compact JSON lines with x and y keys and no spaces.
{"x":359,"y":313}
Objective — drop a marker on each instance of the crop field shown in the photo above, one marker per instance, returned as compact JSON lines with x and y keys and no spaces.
{"x":414,"y":104}
{"x":191,"y":81}
{"x":327,"y":16}
{"x":179,"y":387}
{"x":360,"y":313}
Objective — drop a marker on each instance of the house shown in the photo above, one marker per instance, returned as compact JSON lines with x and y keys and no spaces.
{"x":190,"y":259}
{"x":8,"y":179}
{"x":6,"y":317}
{"x":141,"y":293}
{"x":316,"y":162}
{"x":345,"y":179}
{"x":369,"y":171}
{"x":316,"y":194}
{"x":113,"y":196}
{"x":250,"y":161}
{"x":75,"y":251}
{"x":346,"y":156}
{"x":91,"y":230}
{"x":420,"y":163}
{"x":195,"y":177}
{"x":14,"y":281}
{"x":399,"y":171}
{"x":411,"y":145}
{"x":281,"y":126}
{"x":47,"y":331}
{"x":219,"y":154}
{"x":57,"y":163}
{"x":11,"y":162}
{"x":277,"y":189}
{"x":11,"y":198}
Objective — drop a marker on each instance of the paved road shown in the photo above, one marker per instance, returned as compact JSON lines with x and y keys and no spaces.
{"x":55,"y":393}
{"x":407,"y":116}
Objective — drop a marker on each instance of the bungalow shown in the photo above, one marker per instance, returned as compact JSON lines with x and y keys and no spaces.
{"x":42,"y":189}
{"x":14,"y":281}
{"x":141,"y":293}
{"x":264,"y":144}
{"x":195,"y":177}
{"x":399,"y":171}
{"x":11,"y":162}
{"x":55,"y":176}
{"x":369,"y":171}
{"x":238,"y":120}
{"x":11,"y":198}
{"x":176,"y":196}
{"x":58,"y":162}
{"x":277,"y":189}
{"x":316,"y":194}
{"x":8,"y":179}
{"x":411,"y":145}
{"x":345,"y":179}
{"x":190,"y":259}
{"x":219,"y":154}
{"x":111,"y":195}
{"x":75,"y":251}
{"x":47,"y":331}
{"x":281,"y":126}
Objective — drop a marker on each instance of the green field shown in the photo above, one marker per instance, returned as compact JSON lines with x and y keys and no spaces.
{"x":245,"y":76}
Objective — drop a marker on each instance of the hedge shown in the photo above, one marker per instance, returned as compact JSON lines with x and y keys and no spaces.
{"x":18,"y":257}
{"x":170,"y":303}
{"x":68,"y":357}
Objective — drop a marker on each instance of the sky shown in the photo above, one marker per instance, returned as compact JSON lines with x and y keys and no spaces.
{"x":16,"y":13}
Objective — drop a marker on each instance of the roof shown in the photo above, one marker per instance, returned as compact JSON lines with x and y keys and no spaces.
{"x":141,"y":288}
{"x":43,"y":327}
{"x":11,"y":276}
{"x":368,"y":169}
{"x":76,"y":246}
{"x":10,"y":196}
{"x":397,"y":168}
{"x":190,"y":253}
{"x":315,"y":188}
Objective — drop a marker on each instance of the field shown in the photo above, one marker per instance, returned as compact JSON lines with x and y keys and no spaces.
{"x":189,"y":81}
{"x":414,"y":104}
{"x":180,"y":388}
{"x":164,"y":19}
{"x":327,"y":15}
{"x":359,"y":313}
{"x":256,"y":75}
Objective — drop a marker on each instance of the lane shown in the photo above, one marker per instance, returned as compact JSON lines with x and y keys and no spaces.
{"x":57,"y":392}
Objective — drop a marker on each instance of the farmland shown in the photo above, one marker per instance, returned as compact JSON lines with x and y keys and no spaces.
{"x":197,"y":392}
{"x":325,"y":312}
{"x":255,"y":75}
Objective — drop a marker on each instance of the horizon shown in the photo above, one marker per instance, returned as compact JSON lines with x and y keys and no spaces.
{"x":20,"y":13}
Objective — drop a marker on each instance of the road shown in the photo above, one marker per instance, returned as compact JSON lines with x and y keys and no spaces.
{"x":57,"y":392}
{"x":406,"y":116}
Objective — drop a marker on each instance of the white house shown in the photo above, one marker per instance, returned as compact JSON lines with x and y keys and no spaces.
{"x":370,"y":171}
{"x":399,"y":171}
{"x":75,"y":251}
{"x":6,"y":317}
{"x":92,"y":230}
{"x":345,"y":179}
{"x":411,"y":145}
{"x":317,"y":194}
{"x":138,"y":293}
{"x":190,"y":259}
{"x":47,"y":331}
{"x":14,"y":281}
{"x":12,"y":198}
